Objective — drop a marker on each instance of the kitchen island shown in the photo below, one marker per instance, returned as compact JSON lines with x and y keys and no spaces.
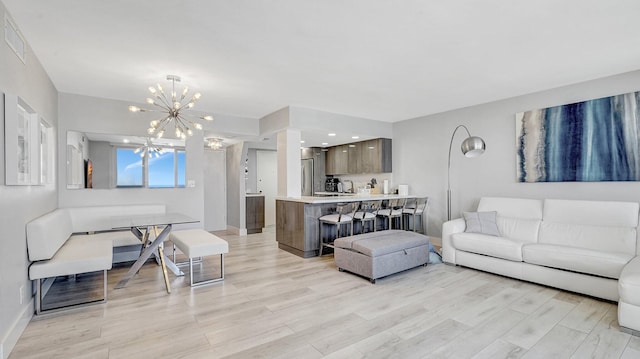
{"x":297,"y":226}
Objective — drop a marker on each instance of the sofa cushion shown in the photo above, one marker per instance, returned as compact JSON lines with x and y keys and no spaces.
{"x":582,"y":260}
{"x":517,"y":218}
{"x":498,"y":247}
{"x":481,"y":222}
{"x":47,"y":233}
{"x":597,"y":225}
{"x":77,"y":255}
{"x":597,"y":238}
{"x":629,"y":283}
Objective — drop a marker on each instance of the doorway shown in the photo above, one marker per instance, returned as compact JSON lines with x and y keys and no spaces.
{"x":267,"y":183}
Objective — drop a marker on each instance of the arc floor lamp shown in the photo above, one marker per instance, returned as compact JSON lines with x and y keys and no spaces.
{"x":472,"y":146}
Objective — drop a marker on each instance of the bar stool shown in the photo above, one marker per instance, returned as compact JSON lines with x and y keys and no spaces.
{"x":368,"y":212}
{"x":343,"y":215}
{"x":393,"y":211}
{"x":415,"y":207}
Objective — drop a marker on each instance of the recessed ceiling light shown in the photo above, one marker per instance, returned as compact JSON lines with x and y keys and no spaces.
{"x":302,"y":141}
{"x":352,"y":146}
{"x":325,"y":143}
{"x":332,"y":134}
{"x":355,"y":137}
{"x":126,"y":140}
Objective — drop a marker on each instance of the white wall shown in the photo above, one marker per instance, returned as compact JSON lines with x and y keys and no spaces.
{"x":236,"y":204}
{"x":20,"y":204}
{"x":215,"y":190}
{"x":420,"y":148}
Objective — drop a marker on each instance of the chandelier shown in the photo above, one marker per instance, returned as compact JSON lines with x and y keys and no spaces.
{"x":148,"y":148}
{"x":174,"y":110}
{"x":214,"y":143}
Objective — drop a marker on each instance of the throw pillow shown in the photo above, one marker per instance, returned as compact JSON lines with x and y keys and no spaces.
{"x":481,"y":222}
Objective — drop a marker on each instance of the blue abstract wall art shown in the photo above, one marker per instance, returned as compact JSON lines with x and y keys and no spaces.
{"x":595,"y":140}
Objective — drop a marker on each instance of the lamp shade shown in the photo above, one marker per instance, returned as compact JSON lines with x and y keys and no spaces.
{"x":473,"y":146}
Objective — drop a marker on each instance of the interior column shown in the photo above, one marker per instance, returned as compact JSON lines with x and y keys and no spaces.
{"x":289,"y":176}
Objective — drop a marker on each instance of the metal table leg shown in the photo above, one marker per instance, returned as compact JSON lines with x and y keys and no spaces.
{"x":146,"y":253}
{"x":162,"y":262}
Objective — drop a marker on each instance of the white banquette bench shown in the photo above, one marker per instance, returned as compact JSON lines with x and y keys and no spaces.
{"x":588,"y":247}
{"x":70,"y":241}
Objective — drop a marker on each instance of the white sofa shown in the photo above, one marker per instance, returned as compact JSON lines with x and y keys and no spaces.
{"x":70,"y":241}
{"x":588,"y":247}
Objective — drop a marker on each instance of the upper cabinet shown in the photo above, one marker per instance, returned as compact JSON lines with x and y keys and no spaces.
{"x":372,"y":156}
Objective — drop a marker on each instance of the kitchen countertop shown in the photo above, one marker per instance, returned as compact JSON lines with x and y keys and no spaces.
{"x":348,"y":198}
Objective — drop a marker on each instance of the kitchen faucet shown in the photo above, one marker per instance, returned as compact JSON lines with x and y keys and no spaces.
{"x":351,"y":188}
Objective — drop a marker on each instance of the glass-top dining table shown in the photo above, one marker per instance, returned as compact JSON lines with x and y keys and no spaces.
{"x":141,"y":226}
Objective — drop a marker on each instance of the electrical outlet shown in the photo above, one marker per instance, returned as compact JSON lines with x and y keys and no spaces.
{"x":191,"y":183}
{"x":21,"y":294}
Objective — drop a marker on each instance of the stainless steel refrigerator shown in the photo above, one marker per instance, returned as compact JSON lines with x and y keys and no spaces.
{"x":307,"y":177}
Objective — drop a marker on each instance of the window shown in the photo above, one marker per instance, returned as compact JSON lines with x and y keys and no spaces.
{"x":165,"y":169}
{"x":129,"y":168}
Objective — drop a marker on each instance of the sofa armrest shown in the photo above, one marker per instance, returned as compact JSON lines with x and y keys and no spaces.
{"x":448,"y":228}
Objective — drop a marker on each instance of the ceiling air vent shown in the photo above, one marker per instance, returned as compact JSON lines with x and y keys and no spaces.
{"x":13,"y":38}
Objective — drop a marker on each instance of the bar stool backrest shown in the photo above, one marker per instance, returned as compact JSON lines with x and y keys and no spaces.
{"x":396,"y":203}
{"x":348,"y":208}
{"x":371,"y":206}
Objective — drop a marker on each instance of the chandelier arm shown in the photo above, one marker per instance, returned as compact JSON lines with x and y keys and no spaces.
{"x":164,"y":122}
{"x":165,"y":100}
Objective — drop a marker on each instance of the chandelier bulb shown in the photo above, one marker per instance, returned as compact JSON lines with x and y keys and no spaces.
{"x":176,"y":105}
{"x":197,"y":96}
{"x":160,"y":88}
{"x":150,"y":101}
{"x":190,"y":105}
{"x":173,"y":95}
{"x":208,"y":118}
{"x":151,"y":130}
{"x":152,"y":90}
{"x":197,"y":126}
{"x":189,"y":132}
{"x":134,"y":108}
{"x":160,"y":134}
{"x":184,"y":92}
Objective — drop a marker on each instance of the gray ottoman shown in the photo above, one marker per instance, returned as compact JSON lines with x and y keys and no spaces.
{"x":378,"y":254}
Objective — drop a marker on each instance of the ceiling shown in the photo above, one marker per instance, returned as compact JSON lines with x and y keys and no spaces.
{"x":383,"y":60}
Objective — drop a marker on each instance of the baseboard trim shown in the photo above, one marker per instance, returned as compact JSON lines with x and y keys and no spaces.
{"x":236,"y":230}
{"x":16,"y":330}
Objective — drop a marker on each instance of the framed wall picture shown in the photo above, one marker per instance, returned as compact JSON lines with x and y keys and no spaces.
{"x":589,"y":141}
{"x":22,"y":142}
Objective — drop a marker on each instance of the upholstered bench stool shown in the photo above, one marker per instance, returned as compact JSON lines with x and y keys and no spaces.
{"x":198,"y":243}
{"x":629,"y":302}
{"x":378,"y":254}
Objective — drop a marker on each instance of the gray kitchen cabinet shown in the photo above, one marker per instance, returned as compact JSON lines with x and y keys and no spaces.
{"x":254,"y":214}
{"x":372,"y":156}
{"x":337,"y":160}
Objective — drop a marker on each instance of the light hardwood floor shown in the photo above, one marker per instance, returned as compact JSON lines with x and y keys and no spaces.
{"x":275,"y":305}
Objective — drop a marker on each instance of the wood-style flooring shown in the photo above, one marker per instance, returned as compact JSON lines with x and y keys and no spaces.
{"x":273,"y":304}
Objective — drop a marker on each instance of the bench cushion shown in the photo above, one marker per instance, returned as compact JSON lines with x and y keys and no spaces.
{"x":117,"y":238}
{"x":99,"y":218}
{"x":198,"y":243}
{"x":47,"y":233}
{"x":77,"y":255}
